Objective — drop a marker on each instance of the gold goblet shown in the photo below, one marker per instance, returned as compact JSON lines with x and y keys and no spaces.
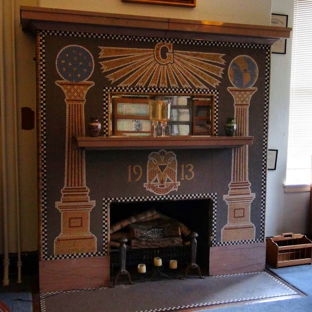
{"x":153,"y":110}
{"x":164,"y":116}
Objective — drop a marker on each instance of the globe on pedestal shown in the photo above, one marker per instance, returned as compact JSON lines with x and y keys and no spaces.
{"x":243,"y":71}
{"x":74,"y":63}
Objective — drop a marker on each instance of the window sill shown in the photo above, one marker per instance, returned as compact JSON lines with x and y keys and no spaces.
{"x":296,"y":188}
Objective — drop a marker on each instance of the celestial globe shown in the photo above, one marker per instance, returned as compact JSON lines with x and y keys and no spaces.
{"x":74,"y":63}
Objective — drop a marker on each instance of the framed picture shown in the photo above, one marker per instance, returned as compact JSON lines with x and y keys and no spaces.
{"x":186,"y":3}
{"x":272,"y":159}
{"x":279,"y":20}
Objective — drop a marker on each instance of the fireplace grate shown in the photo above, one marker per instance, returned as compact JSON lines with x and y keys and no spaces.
{"x":146,"y":255}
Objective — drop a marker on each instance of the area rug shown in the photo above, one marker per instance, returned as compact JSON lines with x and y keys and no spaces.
{"x":15,"y":302}
{"x":190,"y":294}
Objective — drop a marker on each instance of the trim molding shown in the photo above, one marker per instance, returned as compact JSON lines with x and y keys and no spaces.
{"x":299,"y":188}
{"x":37,"y":18}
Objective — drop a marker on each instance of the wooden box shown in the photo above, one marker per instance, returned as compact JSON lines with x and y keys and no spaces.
{"x":288,"y":249}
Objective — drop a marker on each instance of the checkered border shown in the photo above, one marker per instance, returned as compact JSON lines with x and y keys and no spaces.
{"x":107,"y":202}
{"x":288,"y":291}
{"x":42,"y":121}
{"x":265,"y":142}
{"x":42,"y":141}
{"x":45,"y":295}
{"x":203,"y":42}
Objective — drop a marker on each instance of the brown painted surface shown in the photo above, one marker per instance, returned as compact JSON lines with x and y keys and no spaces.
{"x":68,"y":274}
{"x":33,"y":18}
{"x":28,"y":118}
{"x":237,"y":259}
{"x":190,"y":142}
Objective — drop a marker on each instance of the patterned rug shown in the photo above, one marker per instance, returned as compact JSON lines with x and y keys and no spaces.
{"x":172,"y":295}
{"x":4,"y":307}
{"x":15,"y":302}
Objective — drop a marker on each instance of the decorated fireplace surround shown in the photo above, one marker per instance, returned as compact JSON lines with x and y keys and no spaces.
{"x":85,"y":58}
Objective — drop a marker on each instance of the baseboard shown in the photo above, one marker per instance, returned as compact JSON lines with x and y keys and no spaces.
{"x":236,"y":259}
{"x":69,"y":274}
{"x":30,"y":263}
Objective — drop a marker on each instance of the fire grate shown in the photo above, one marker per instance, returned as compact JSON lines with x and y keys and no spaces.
{"x":146,"y":255}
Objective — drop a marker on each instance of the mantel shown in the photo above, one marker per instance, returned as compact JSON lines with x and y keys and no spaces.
{"x":175,"y":142}
{"x":37,"y":18}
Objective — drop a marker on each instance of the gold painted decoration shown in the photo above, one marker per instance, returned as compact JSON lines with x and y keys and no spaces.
{"x":162,"y":173}
{"x":75,"y":65}
{"x":161,"y":67}
{"x":243,"y":73}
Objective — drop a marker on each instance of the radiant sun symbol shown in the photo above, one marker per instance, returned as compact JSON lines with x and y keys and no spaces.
{"x":161,"y":67}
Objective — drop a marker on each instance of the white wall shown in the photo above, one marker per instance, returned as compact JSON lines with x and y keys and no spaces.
{"x":231,"y":11}
{"x":284,"y":212}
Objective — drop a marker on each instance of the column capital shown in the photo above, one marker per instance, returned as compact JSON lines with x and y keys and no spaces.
{"x":241,"y":96}
{"x":75,"y":91}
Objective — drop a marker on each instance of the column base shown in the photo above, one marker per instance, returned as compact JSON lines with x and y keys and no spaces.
{"x":72,"y":244}
{"x":238,"y":232}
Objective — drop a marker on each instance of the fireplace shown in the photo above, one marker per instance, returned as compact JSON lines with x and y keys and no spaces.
{"x":215,"y":184}
{"x":192,"y":215}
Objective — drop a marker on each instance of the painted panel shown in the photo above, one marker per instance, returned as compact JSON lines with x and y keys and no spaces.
{"x":77,"y":73}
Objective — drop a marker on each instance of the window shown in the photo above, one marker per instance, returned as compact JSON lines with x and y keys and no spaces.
{"x":300,"y":123}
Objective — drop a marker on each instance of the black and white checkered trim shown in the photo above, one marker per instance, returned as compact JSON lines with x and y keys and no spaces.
{"x":108,"y":201}
{"x":41,"y":115}
{"x":76,"y":34}
{"x":265,"y":142}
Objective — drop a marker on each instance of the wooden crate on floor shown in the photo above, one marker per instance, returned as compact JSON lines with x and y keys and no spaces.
{"x":288,"y":249}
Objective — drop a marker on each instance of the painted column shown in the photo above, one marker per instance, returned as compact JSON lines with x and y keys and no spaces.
{"x":75,"y":204}
{"x":243,"y":72}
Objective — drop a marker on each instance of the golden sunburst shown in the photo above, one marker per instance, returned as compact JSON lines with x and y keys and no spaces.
{"x":161,"y":67}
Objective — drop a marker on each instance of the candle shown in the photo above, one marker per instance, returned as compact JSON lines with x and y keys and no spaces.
{"x":141,"y":268}
{"x":173,"y":264}
{"x":157,"y":262}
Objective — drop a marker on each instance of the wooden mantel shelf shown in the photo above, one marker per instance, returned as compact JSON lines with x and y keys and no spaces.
{"x":175,"y":142}
{"x":38,"y":18}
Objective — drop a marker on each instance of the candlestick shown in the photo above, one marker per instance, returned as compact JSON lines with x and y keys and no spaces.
{"x":157,"y":262}
{"x":173,"y":264}
{"x":141,"y":268}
